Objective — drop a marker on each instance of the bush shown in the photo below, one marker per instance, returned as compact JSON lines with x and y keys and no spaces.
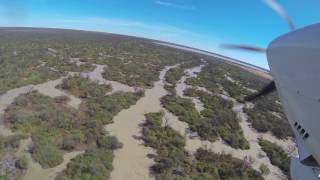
{"x":213,"y":77}
{"x":173,"y":162}
{"x":71,"y":140}
{"x":103,"y":109}
{"x":277,"y":155}
{"x":84,"y":87}
{"x":44,"y":151}
{"x":95,"y":163}
{"x":222,"y":166}
{"x":169,"y":146}
{"x":174,"y":75}
{"x":263,"y":120}
{"x":217,"y":119}
{"x":110,"y":142}
{"x":23,"y":70}
{"x":55,"y":126}
{"x":22,"y":163}
{"x":264,"y":169}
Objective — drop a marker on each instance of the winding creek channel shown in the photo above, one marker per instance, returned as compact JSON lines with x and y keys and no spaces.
{"x":131,"y":160}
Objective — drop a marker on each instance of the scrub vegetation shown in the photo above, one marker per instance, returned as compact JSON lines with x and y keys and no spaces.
{"x":14,"y":74}
{"x":95,"y":163}
{"x":216,"y":120}
{"x":277,"y":155}
{"x":267,"y":116}
{"x":84,"y":87}
{"x":173,"y":162}
{"x":33,"y":56}
{"x":11,"y":166}
{"x":174,"y":75}
{"x":213,"y":77}
{"x":216,"y":72}
{"x":10,"y":143}
{"x":55,"y":127}
{"x":142,"y":67}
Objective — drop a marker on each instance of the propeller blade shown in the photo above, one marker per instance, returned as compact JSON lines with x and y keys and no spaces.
{"x":265,"y":91}
{"x":280,"y":10}
{"x":244,"y":47}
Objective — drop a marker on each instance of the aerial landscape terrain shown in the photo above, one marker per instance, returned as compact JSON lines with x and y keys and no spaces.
{"x":80,"y":105}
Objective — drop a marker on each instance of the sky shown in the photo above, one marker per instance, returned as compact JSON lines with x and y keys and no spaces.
{"x":203,"y":24}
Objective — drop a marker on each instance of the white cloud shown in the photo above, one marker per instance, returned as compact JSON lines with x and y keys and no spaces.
{"x":175,"y":5}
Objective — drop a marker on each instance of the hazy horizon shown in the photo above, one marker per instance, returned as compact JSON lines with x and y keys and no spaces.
{"x":202,"y":25}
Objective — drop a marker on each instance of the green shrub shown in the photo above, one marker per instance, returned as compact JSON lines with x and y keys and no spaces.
{"x":84,"y":87}
{"x":277,"y":155}
{"x":95,"y":163}
{"x":263,"y":121}
{"x":72,"y":139}
{"x":72,"y":129}
{"x":111,"y":142}
{"x":222,"y":166}
{"x":173,"y":162}
{"x":44,"y":151}
{"x":213,"y":76}
{"x":42,"y":55}
{"x":217,"y":119}
{"x":170,"y":88}
{"x":169,"y":146}
{"x":103,"y":109}
{"x":22,"y":163}
{"x":174,"y":75}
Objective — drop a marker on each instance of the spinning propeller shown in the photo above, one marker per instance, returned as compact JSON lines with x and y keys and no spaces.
{"x":271,"y":86}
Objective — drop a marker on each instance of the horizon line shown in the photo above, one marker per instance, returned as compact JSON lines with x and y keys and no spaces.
{"x":178,"y":45}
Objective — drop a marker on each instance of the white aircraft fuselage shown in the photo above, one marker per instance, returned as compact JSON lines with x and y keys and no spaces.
{"x":294,"y":61}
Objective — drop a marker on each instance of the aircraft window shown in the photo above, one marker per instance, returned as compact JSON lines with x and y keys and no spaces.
{"x":302,"y":131}
{"x":299,"y":127}
{"x":306,"y":136}
{"x":295,"y":124}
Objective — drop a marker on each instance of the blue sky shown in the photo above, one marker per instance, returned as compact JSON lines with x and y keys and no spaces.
{"x":202,"y":24}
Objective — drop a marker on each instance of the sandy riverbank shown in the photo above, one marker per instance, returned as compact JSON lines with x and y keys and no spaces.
{"x":131,"y":161}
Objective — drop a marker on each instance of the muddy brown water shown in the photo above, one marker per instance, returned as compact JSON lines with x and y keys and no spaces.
{"x":181,"y":86}
{"x":131,"y":160}
{"x":96,"y":75}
